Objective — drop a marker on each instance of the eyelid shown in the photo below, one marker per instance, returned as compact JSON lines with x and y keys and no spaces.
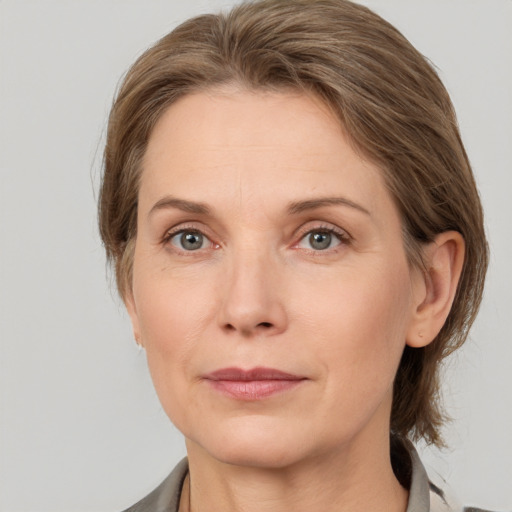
{"x":323,"y":226}
{"x":191,"y":225}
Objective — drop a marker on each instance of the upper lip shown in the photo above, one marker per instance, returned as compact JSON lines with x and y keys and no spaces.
{"x":258,"y":373}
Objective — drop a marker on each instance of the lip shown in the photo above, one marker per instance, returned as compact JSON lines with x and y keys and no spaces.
{"x":254,"y":384}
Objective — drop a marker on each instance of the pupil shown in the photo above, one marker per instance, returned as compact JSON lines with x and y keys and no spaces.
{"x":320,"y":240}
{"x":192,"y":241}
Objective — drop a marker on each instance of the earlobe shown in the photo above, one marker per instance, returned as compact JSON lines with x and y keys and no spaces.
{"x":444,"y":259}
{"x":129,"y":302}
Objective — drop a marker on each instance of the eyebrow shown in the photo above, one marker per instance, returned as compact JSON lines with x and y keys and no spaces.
{"x":180,"y":204}
{"x":294,"y":208}
{"x":313,"y":204}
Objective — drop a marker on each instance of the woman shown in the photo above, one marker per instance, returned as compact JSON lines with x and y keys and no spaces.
{"x":299,"y":242}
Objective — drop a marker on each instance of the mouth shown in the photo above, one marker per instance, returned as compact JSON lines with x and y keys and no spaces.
{"x":254,"y":384}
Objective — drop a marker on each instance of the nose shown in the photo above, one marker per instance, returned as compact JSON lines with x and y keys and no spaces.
{"x":253,"y":298}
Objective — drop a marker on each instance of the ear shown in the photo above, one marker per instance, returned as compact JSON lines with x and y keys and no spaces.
{"x":129,"y":302}
{"x":435,"y":290}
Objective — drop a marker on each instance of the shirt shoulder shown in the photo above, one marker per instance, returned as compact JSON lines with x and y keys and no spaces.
{"x":425,"y":496}
{"x":438,"y":503}
{"x":166,"y":497}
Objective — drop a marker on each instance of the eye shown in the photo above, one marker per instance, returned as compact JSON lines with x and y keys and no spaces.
{"x":189,"y":240}
{"x":320,"y":239}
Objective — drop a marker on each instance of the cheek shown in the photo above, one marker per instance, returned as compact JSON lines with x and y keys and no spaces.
{"x":172,"y":314}
{"x":172,"y":305}
{"x":359,"y":324}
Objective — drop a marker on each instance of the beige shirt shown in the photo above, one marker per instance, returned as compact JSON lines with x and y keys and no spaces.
{"x":423,"y":496}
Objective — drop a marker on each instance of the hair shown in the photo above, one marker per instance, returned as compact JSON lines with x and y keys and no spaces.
{"x":393,"y":107}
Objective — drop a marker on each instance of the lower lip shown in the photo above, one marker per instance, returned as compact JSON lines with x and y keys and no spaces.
{"x":253,"y":389}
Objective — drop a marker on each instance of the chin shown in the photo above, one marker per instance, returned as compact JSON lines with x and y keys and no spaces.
{"x":252,"y":454}
{"x":253,"y":444}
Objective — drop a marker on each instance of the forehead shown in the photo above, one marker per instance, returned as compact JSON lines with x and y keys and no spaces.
{"x":232,"y":119}
{"x":234,"y":144}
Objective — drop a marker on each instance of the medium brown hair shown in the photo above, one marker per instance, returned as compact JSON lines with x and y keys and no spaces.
{"x":391,"y":104}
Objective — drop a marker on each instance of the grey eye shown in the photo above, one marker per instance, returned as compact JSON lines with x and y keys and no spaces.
{"x":189,"y":240}
{"x":320,"y":240}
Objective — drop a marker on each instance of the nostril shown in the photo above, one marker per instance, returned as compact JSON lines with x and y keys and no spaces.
{"x":248,"y":330}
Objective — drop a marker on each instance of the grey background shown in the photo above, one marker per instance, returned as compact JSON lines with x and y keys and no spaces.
{"x":81,"y":428}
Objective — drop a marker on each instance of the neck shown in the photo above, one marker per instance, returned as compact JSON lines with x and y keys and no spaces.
{"x":355,"y":479}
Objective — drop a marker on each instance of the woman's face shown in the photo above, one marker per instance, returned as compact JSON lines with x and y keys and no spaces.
{"x":271,"y":289}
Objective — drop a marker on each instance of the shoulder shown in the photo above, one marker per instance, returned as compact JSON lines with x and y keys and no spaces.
{"x":424,"y":496}
{"x":166,"y":497}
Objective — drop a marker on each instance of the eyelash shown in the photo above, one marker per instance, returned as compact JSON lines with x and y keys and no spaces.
{"x":342,"y":236}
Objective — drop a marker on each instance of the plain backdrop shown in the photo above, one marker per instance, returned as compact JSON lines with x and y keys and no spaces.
{"x":81,"y":427}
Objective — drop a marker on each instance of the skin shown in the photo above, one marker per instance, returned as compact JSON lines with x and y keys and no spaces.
{"x":258,"y":292}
